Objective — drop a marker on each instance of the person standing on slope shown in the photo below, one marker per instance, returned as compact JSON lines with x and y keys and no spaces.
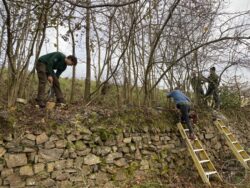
{"x":213,"y":87}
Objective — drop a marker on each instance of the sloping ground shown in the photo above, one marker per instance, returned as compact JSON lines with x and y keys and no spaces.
{"x":129,"y":147}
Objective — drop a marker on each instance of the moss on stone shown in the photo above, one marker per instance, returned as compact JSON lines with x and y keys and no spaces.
{"x":164,"y":153}
{"x":2,"y":161}
{"x":132,"y":168}
{"x":79,"y":145}
{"x":165,"y":169}
{"x":70,"y":145}
{"x":105,"y":134}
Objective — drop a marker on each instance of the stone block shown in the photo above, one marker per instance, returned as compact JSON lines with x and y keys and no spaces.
{"x":26,"y":171}
{"x":42,"y":138}
{"x":39,"y":167}
{"x":15,"y":160}
{"x":91,"y":159}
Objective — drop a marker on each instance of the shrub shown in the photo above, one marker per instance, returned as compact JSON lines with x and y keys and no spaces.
{"x":229,"y":98}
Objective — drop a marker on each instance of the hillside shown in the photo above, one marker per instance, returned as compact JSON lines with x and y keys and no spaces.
{"x":133,"y":68}
{"x":97,"y":146}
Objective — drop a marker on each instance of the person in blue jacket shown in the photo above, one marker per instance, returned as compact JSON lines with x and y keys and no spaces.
{"x":183,"y":104}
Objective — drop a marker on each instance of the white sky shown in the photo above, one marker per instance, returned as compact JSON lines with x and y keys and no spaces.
{"x":238,"y":5}
{"x":65,"y":47}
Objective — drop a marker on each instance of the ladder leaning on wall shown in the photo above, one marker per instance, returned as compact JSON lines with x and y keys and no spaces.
{"x":233,"y":144}
{"x":201,"y":160}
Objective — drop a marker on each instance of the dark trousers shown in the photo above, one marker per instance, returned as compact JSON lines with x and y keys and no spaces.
{"x":42,"y":77}
{"x":214,"y":91}
{"x":184,"y":109}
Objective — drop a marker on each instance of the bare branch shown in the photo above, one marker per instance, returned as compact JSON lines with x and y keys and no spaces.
{"x":191,"y":51}
{"x":102,"y":5}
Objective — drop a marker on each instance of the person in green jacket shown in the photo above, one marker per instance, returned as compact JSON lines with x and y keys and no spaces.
{"x":45,"y":71}
{"x":213,"y":87}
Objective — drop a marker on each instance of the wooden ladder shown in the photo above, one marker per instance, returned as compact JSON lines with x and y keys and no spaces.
{"x":201,"y":160}
{"x":233,"y":143}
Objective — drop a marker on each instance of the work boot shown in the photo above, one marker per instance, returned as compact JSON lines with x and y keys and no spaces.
{"x":60,"y":103}
{"x":61,"y":100}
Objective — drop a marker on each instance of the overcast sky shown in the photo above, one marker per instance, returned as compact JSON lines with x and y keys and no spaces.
{"x":65,"y":47}
{"x":238,"y":5}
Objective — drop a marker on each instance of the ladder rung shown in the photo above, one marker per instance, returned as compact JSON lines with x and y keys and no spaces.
{"x":204,"y":161}
{"x":210,"y":173}
{"x":245,"y":160}
{"x":234,"y":142}
{"x":186,"y":130}
{"x":222,"y":126}
{"x":241,"y":150}
{"x":197,"y":150}
{"x":228,"y":134}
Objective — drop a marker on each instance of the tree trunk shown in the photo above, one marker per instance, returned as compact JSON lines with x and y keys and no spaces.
{"x":88,"y":58}
{"x":155,"y":42}
{"x":11,"y":60}
{"x":74,"y":68}
{"x":3,"y":66}
{"x":98,"y":81}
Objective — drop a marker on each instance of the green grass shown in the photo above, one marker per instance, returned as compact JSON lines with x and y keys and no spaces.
{"x":113,"y":98}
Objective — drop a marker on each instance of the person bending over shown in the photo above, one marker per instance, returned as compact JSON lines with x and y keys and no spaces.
{"x":45,"y":71}
{"x":183,"y":104}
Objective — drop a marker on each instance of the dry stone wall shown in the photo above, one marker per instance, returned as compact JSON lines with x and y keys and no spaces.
{"x":93,"y":157}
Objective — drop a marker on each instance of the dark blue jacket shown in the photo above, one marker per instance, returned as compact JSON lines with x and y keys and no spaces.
{"x":179,"y":97}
